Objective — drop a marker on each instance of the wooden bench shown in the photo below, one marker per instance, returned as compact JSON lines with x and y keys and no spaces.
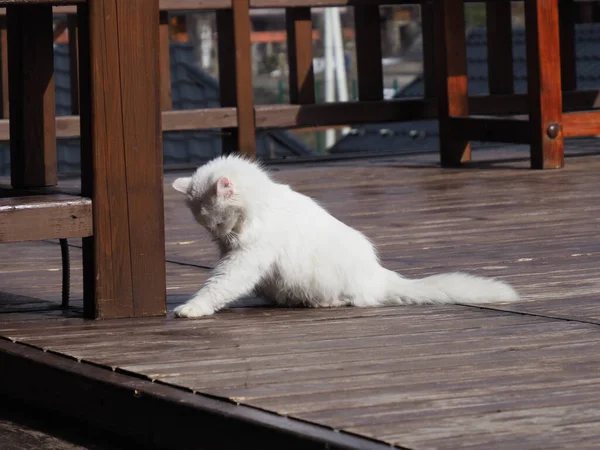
{"x":119,"y":213}
{"x":551,"y":110}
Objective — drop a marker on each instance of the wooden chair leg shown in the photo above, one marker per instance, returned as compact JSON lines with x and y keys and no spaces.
{"x":451,"y":62}
{"x":124,"y":261}
{"x":32,"y":104}
{"x":544,"y":84}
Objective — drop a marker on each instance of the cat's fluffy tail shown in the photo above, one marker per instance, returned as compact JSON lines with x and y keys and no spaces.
{"x":448,"y":288}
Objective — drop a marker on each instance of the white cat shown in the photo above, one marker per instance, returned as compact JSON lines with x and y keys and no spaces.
{"x":282,"y":245}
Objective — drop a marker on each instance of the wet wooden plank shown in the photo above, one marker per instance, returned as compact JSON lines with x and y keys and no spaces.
{"x":144,"y":414}
{"x":522,"y":375}
{"x":496,"y":360}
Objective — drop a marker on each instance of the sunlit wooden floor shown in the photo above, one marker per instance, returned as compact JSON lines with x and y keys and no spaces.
{"x":525,"y":375}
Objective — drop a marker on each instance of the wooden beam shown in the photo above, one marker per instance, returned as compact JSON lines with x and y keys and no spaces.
{"x":544,"y":83}
{"x":38,"y":217}
{"x":452,"y":79}
{"x":581,"y":123}
{"x":235,"y":76}
{"x":428,"y":30}
{"x":368,"y":52}
{"x":4,"y":68}
{"x":73,"y":62}
{"x":299,"y":27}
{"x":32,"y":97}
{"x":288,"y":116}
{"x":166,"y":98}
{"x":500,"y":51}
{"x":124,"y":262}
{"x":343,"y":114}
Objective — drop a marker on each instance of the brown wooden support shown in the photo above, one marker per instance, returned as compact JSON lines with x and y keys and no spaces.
{"x":124,"y":261}
{"x":587,"y":11}
{"x":166,"y":100}
{"x":452,"y":79}
{"x":32,"y":97}
{"x":544,"y":83}
{"x":499,"y":44}
{"x":581,"y":123}
{"x":568,"y":56}
{"x":368,"y":52}
{"x":428,"y":30}
{"x":235,"y":76}
{"x":299,"y":27}
{"x":73,"y":62}
{"x":4,"y":68}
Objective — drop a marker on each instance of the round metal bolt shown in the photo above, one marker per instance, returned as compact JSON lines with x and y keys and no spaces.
{"x":553,"y":130}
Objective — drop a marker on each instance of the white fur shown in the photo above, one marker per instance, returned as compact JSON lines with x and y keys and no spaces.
{"x":280,"y":244}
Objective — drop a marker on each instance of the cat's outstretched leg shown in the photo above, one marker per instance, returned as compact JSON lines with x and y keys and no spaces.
{"x":235,"y":276}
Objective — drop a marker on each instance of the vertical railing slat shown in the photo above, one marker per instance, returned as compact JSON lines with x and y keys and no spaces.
{"x":235,"y":76}
{"x":300,"y":55}
{"x":368,"y":52}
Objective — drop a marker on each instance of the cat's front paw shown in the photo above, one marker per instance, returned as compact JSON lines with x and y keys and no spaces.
{"x":192,"y":310}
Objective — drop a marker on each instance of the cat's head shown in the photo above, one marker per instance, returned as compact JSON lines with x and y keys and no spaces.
{"x":214,"y":204}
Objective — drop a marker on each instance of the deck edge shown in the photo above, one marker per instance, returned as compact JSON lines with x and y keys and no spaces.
{"x":150,"y":414}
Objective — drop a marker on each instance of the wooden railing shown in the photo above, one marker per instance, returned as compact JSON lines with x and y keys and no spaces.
{"x":240,"y":117}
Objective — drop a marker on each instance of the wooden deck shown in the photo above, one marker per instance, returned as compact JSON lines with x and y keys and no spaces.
{"x":510,"y":376}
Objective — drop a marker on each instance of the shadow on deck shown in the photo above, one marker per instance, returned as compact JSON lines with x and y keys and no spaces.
{"x":525,"y":375}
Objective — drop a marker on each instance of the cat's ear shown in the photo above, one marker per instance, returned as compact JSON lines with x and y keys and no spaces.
{"x":223,"y":187}
{"x":182,"y":184}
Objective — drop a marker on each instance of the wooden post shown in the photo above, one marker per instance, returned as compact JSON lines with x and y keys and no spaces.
{"x":166,"y":99}
{"x":235,"y":76}
{"x":4,"y":67}
{"x":368,"y":52}
{"x":451,"y":71}
{"x":31,"y":90}
{"x":300,"y":55}
{"x":585,"y":12}
{"x":544,"y":84}
{"x":73,"y":62}
{"x":428,"y":29}
{"x":124,"y":261}
{"x":589,"y":11}
{"x":499,"y":44}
